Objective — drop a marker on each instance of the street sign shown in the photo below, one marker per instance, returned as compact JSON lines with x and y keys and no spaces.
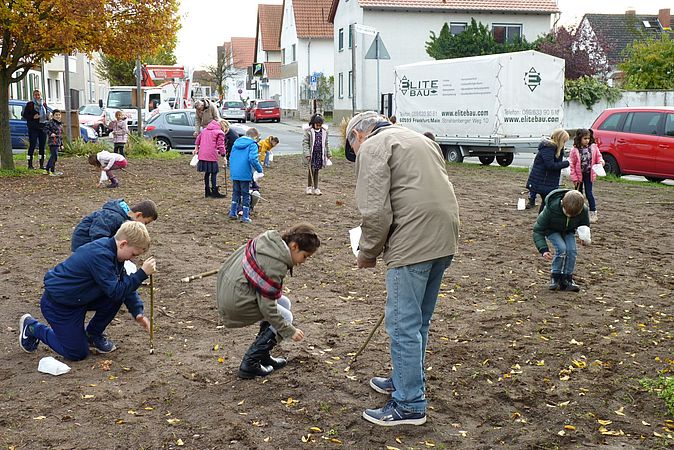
{"x":377,"y":49}
{"x":313,"y":79}
{"x":364,"y":29}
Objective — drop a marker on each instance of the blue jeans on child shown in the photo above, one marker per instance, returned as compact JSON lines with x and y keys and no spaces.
{"x":66,"y":334}
{"x":240,"y":193}
{"x":564,"y":261}
{"x":412,"y":292}
{"x":53,"y":157}
{"x":587,"y":184}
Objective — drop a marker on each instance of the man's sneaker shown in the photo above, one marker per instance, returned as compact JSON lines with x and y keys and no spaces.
{"x":27,"y":341}
{"x":391,"y":415}
{"x":317,"y":191}
{"x":382,"y":385}
{"x":309,"y":191}
{"x":101,"y":344}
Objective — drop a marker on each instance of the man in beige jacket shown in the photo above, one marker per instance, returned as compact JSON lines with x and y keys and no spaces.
{"x":410,"y":214}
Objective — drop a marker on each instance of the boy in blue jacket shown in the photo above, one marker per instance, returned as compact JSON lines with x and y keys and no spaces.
{"x":91,"y":279}
{"x":106,"y":221}
{"x":242,"y":161}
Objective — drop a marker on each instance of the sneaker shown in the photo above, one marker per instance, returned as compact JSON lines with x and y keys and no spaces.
{"x":382,"y":385}
{"x":27,"y":341}
{"x":101,"y":344}
{"x":593,"y":217}
{"x":391,"y":415}
{"x":317,"y":191}
{"x":309,"y":191}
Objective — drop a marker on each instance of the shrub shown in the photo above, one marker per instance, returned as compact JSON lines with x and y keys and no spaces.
{"x":589,"y":90}
{"x":80,"y":148}
{"x":139,"y":146}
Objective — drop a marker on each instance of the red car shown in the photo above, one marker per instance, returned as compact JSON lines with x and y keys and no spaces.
{"x":264,"y":110}
{"x":637,"y":141}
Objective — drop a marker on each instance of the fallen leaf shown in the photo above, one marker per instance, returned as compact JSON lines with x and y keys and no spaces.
{"x":221,"y":360}
{"x":645,"y":423}
{"x":173,"y":421}
{"x":604,"y":422}
{"x":399,"y":441}
{"x":569,"y":427}
{"x":620,"y":411}
{"x":39,"y":417}
{"x":316,"y":429}
{"x":180,"y":443}
{"x":241,"y":402}
{"x":388,"y":447}
{"x":119,"y":421}
{"x":88,"y":396}
{"x":148,"y":408}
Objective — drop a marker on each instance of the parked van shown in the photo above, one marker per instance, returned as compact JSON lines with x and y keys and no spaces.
{"x":124,"y":98}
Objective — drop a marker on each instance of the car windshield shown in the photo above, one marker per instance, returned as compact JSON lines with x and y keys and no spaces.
{"x":91,"y":110}
{"x":233,"y":105}
{"x":119,"y":99}
{"x":267,"y":105}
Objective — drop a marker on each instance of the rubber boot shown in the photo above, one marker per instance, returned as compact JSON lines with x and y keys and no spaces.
{"x":569,"y":285}
{"x":30,"y":162}
{"x":246,"y":215}
{"x":251,"y":365}
{"x":215,"y":192}
{"x":207,"y":191}
{"x":232,"y":210}
{"x":555,"y":280}
{"x":42,"y":163}
{"x":531,"y":203}
{"x":268,"y":342}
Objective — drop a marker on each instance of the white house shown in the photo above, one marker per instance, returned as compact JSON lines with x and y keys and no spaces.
{"x":239,"y":54}
{"x":404,"y":27}
{"x":306,"y":50}
{"x":268,"y":50}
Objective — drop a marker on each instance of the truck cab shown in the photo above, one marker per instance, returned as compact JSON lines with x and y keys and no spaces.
{"x":124,"y":98}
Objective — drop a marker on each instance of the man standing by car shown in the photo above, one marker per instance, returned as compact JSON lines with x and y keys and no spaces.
{"x":36,"y":116}
{"x":409,"y":212}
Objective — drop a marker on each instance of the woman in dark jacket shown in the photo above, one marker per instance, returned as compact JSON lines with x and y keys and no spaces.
{"x":548,"y":164}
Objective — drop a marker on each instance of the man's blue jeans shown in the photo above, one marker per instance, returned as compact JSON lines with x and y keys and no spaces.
{"x":564,"y":260}
{"x":412,"y":292}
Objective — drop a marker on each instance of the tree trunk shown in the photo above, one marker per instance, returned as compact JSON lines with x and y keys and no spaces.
{"x":6,"y":159}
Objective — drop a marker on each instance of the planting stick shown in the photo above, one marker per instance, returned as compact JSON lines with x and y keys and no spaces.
{"x":367,"y":341}
{"x":151,"y":314}
{"x":199,"y":276}
{"x":127,"y":170}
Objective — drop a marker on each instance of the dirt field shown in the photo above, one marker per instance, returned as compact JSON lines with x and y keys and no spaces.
{"x":510,"y":364}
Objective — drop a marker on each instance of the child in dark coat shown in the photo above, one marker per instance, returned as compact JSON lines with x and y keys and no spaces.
{"x":91,"y":279}
{"x":563,"y":212}
{"x":54,"y":130}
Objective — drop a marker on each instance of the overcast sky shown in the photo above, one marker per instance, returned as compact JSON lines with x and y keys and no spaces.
{"x":208,"y":23}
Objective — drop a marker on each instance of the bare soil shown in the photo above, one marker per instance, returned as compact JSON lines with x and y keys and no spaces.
{"x":510,"y":364}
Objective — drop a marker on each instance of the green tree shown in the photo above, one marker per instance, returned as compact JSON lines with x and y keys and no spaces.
{"x":475,"y":40}
{"x":32,"y":32}
{"x":649,"y":64}
{"x":121,"y":71}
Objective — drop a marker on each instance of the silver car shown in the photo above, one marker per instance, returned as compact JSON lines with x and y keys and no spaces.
{"x":174,"y":129}
{"x":233,"y":110}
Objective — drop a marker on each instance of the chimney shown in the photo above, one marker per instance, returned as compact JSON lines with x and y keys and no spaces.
{"x":630,"y":12}
{"x":665,"y":19}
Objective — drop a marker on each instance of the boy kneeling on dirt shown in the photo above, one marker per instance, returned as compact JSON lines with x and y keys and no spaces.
{"x":91,"y":279}
{"x":563,"y":212}
{"x":250,"y":289}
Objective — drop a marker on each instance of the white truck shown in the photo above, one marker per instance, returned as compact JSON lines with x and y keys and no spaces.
{"x":124,"y":98}
{"x":482,"y":106}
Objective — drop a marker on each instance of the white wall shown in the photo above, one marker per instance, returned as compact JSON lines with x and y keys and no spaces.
{"x":404,"y":45}
{"x":576,"y":115}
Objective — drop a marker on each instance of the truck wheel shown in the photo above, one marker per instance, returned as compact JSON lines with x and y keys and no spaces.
{"x":611,"y":165}
{"x":454,"y":155}
{"x":486,"y":160}
{"x":505,"y":160}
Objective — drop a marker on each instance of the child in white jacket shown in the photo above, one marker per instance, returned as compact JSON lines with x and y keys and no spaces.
{"x":108,"y":162}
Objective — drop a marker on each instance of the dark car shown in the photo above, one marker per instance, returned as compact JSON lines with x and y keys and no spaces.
{"x":637,"y":141}
{"x":175,"y":129}
{"x":18,"y":127}
{"x":264,"y":110}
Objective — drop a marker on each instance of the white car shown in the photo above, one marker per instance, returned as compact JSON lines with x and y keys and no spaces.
{"x":233,"y":110}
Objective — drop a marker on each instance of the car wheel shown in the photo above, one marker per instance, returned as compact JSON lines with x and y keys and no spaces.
{"x":505,"y":160}
{"x":611,"y":165}
{"x":486,"y":160}
{"x":163,"y":144}
{"x":454,"y":154}
{"x":654,"y":179}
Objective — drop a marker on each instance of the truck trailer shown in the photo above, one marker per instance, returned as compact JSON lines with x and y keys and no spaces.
{"x":482,"y":106}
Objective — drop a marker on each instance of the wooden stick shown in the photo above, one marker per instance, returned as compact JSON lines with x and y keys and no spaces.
{"x":128,"y":171}
{"x":659,"y":203}
{"x":367,"y":341}
{"x":199,"y":276}
{"x":151,"y":314}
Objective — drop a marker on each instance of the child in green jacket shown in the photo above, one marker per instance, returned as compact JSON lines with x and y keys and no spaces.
{"x":563,"y":212}
{"x":250,"y":289}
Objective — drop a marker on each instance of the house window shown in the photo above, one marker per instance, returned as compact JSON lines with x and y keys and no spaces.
{"x":340,"y":40}
{"x":294,"y":53}
{"x":340,"y":85}
{"x":504,"y":32}
{"x":350,"y":84}
{"x":351,"y":35}
{"x":58,"y":90}
{"x":457,"y":27}
{"x":283,"y":55}
{"x":50,"y":89}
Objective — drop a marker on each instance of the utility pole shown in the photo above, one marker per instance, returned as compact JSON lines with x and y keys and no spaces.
{"x":139,"y":97}
{"x":352,"y":34}
{"x":66,"y":96}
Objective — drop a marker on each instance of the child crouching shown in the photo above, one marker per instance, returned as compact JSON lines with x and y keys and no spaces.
{"x":250,"y":289}
{"x":108,"y":162}
{"x":563,"y":212}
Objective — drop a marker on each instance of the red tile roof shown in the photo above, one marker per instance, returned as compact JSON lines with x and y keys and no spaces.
{"x":243,"y":52}
{"x":269,"y":19}
{"x":311,"y":18}
{"x":273,"y":70}
{"x":529,"y":6}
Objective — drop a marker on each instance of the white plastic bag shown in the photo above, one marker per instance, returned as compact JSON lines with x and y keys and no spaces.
{"x":52,"y":366}
{"x":584,"y":234}
{"x":130,"y":267}
{"x":521,"y":204}
{"x":566,"y":172}
{"x":104,"y":176}
{"x":271,"y":156}
{"x":354,"y":237}
{"x":328,"y":163}
{"x":194,"y":161}
{"x":599,"y":170}
{"x":257,"y":176}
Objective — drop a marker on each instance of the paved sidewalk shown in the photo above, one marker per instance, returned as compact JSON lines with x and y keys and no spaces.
{"x":295,"y":126}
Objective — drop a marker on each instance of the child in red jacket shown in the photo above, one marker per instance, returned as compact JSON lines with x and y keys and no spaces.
{"x":584,"y":155}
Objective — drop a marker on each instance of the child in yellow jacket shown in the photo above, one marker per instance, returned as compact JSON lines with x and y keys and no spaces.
{"x":265,"y":146}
